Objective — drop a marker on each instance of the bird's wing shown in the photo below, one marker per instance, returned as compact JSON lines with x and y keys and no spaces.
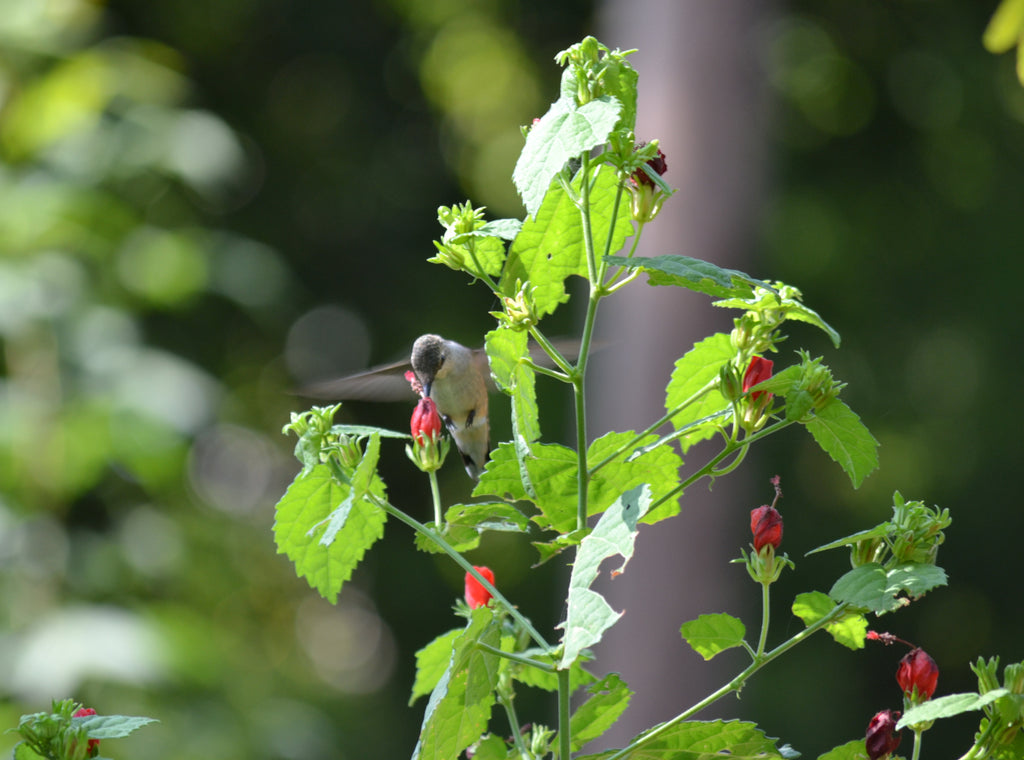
{"x":385,"y":382}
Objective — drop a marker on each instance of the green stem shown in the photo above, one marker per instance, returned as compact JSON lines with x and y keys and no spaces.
{"x":510,"y":712}
{"x":734,"y":685}
{"x":917,"y":746}
{"x":435,"y":494}
{"x":979,"y":742}
{"x":521,"y":659}
{"x":465,"y":565}
{"x":765,"y":617}
{"x":564,"y":734}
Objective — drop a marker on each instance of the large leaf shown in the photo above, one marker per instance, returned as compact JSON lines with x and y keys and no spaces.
{"x":310,"y":504}
{"x":847,"y":629}
{"x":508,"y":351}
{"x":703,"y":740}
{"x":111,"y":726}
{"x":692,"y":374}
{"x":588,"y":614}
{"x":841,"y":434}
{"x":607,"y":700}
{"x":431,"y":663}
{"x":950,"y":705}
{"x":694,"y":274}
{"x":549,"y":248}
{"x":566,"y":131}
{"x":872,"y":587}
{"x":460,"y":704}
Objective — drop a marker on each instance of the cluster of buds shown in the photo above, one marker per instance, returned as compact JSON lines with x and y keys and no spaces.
{"x":429,"y":446}
{"x":520,"y":311}
{"x":914,"y":535}
{"x":477,"y":594}
{"x":463,"y":246}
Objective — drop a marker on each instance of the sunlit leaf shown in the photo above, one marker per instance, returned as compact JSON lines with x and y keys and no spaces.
{"x":712,"y":633}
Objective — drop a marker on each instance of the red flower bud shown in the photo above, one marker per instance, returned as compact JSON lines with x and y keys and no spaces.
{"x":658,"y":164}
{"x":426,"y":422}
{"x":882,"y":739}
{"x":759,"y":370}
{"x":476,"y":594}
{"x":918,"y":672}
{"x":81,"y":713}
{"x":766,"y":525}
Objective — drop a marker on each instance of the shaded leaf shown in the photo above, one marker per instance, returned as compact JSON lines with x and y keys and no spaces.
{"x":841,"y":435}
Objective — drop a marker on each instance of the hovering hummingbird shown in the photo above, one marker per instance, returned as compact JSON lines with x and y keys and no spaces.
{"x":455,"y":377}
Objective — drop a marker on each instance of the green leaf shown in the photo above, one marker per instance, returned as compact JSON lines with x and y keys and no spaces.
{"x":693,"y":274}
{"x":703,"y":740}
{"x":692,"y":374}
{"x":588,"y":614}
{"x":713,"y":633}
{"x":308,"y":504}
{"x":782,"y":302}
{"x":431,"y":663}
{"x":506,"y":229}
{"x":502,"y":477}
{"x":950,"y":705}
{"x":548,"y":680}
{"x":879,"y":531}
{"x":460,"y":704}
{"x":23,"y":751}
{"x":508,"y":351}
{"x":1006,"y":27}
{"x":852,"y":750}
{"x":608,"y":699}
{"x":111,"y":726}
{"x":365,"y":431}
{"x":873,"y":588}
{"x":565,"y":131}
{"x":549,"y":248}
{"x":849,"y":629}
{"x":491,"y":747}
{"x":841,"y":434}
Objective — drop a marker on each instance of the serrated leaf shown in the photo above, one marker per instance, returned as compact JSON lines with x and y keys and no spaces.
{"x":712,"y":633}
{"x":506,"y":229}
{"x":111,"y":726}
{"x":588,"y":615}
{"x":871,"y":587}
{"x":849,"y":629}
{"x":852,"y":750}
{"x":549,"y":249}
{"x":703,"y":740}
{"x":460,"y":704}
{"x":565,"y":131}
{"x":841,"y":435}
{"x":305,"y":509}
{"x":508,"y":351}
{"x":693,"y":274}
{"x":431,"y":663}
{"x":950,"y":705}
{"x":608,"y":699}
{"x":698,"y":367}
{"x":502,"y":477}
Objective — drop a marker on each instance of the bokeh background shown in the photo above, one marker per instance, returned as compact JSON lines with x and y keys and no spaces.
{"x":205,"y":206}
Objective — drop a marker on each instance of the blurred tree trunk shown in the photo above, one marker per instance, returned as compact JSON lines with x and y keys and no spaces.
{"x":702,"y":95}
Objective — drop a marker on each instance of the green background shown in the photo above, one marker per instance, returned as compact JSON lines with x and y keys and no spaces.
{"x":203,"y":206}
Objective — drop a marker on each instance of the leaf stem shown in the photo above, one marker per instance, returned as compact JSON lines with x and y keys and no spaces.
{"x":734,"y":685}
{"x":564,"y":716}
{"x":465,"y":565}
{"x":521,"y":659}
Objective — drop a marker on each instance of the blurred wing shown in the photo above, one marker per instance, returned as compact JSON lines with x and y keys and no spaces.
{"x":383,"y":383}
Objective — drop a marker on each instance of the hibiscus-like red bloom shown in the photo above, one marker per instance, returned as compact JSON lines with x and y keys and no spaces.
{"x":918,"y":672}
{"x":759,"y":370}
{"x":476,"y":594}
{"x":425,"y":422}
{"x":766,"y":525}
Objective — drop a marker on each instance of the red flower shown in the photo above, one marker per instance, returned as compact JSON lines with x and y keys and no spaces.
{"x":917,"y":672}
{"x":658,"y":164}
{"x":766,"y":525}
{"x":81,"y":713}
{"x":476,"y":594}
{"x":759,"y":370}
{"x":882,"y":739}
{"x":426,"y":422}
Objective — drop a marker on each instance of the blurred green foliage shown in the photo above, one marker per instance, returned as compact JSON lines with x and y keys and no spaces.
{"x":191,"y":196}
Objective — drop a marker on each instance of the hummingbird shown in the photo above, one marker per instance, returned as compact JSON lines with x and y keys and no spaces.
{"x":457,"y":378}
